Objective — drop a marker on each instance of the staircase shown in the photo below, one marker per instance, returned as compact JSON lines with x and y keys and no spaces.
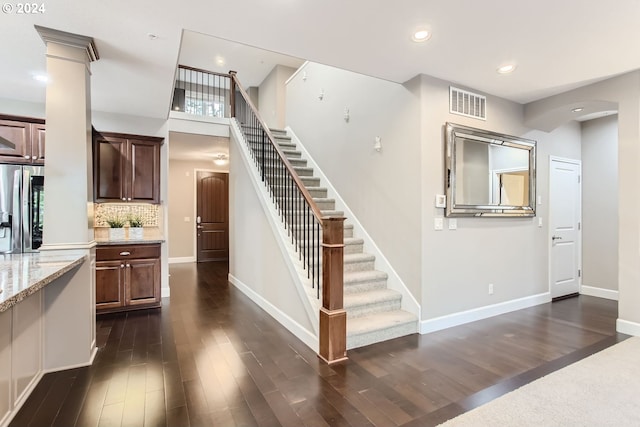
{"x":374,"y":312}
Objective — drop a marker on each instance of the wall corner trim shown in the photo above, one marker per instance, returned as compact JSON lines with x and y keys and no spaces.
{"x":294,"y":327}
{"x":627,"y":327}
{"x":599,"y":292}
{"x":460,"y":318}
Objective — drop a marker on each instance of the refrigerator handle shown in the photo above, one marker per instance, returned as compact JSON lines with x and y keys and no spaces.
{"x":26,"y":211}
{"x":16,"y":240}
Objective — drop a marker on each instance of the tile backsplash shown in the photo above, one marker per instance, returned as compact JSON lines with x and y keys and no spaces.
{"x":148,"y":212}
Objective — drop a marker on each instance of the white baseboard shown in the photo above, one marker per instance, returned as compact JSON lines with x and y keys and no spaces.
{"x":599,"y":292}
{"x":455,"y":319}
{"x":627,"y":327}
{"x":165,"y":292}
{"x":294,"y":327}
{"x":182,"y":260}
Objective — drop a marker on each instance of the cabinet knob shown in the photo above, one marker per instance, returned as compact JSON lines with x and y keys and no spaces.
{"x":121,"y":265}
{"x":27,"y":157}
{"x":125,"y":253}
{"x":129,"y":199}
{"x":34,"y":157}
{"x":128,"y":265}
{"x":124,"y":199}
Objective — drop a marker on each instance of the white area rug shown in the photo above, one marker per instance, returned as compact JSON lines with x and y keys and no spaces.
{"x":601,"y":390}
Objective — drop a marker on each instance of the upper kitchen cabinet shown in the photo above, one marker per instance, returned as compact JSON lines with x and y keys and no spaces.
{"x":27,"y":135}
{"x":126,"y":168}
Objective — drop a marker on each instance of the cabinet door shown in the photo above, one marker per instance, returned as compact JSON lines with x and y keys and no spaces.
{"x":6,"y":400}
{"x":19,"y":134}
{"x":109,"y":284}
{"x":145,"y":171}
{"x":37,"y":144}
{"x":142,"y":285}
{"x":109,"y":168}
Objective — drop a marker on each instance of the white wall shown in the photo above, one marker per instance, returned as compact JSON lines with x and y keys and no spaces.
{"x":383,"y":189}
{"x":600,"y":203}
{"x":256,"y":263}
{"x":22,"y":108}
{"x":510,"y":253}
{"x":272,"y":96}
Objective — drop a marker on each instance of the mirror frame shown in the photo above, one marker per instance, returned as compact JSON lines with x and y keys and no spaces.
{"x":453,"y":133}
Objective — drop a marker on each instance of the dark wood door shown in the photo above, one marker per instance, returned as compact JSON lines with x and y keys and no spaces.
{"x":19,"y":134}
{"x":109,"y":284}
{"x":109,"y":168}
{"x":142,"y":280}
{"x":144,"y":160}
{"x":212,"y":219}
{"x":37,"y":144}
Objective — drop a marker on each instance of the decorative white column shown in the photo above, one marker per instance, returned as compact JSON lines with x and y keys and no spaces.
{"x":68,"y":165}
{"x":68,"y":202}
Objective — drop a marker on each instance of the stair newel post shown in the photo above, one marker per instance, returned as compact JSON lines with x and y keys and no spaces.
{"x":333,"y":317}
{"x":232,"y":92}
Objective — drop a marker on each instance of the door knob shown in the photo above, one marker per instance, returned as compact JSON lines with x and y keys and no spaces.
{"x":199,"y":226}
{"x":554,"y":238}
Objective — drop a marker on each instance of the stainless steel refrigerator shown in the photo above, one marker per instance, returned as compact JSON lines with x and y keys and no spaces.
{"x":21,"y":208}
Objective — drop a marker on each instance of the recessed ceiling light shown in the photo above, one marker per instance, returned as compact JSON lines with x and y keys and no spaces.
{"x":219,"y":61}
{"x":506,"y":68}
{"x":152,"y":36}
{"x":421,"y":36}
{"x":41,"y":78}
{"x":577,"y":109}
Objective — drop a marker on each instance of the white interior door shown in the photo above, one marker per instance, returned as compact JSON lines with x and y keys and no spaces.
{"x":564,"y":224}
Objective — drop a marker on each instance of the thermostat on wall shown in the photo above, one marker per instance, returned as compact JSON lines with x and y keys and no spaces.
{"x":441,"y":200}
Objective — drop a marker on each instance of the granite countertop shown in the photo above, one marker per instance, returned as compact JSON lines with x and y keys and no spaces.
{"x":143,"y":241}
{"x":22,"y":275}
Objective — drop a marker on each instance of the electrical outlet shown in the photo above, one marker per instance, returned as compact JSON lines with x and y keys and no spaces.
{"x":453,"y":224}
{"x":490,"y":288}
{"x":438,"y":224}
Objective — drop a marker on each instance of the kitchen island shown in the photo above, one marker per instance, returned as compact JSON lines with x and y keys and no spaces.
{"x":44,"y":325}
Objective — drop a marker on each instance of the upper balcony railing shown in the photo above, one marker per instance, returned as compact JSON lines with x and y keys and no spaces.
{"x":202,"y":93}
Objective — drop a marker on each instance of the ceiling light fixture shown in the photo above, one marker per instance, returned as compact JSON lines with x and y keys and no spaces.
{"x":577,"y":109}
{"x":421,"y":36}
{"x":152,"y":36}
{"x":41,"y":78}
{"x":220,"y":159}
{"x":219,"y":61}
{"x":506,"y":68}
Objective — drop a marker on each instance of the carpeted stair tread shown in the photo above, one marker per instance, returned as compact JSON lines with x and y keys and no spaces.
{"x":372,"y":297}
{"x":380,"y":327}
{"x":353,"y":277}
{"x":365,"y":324}
{"x":353,"y":258}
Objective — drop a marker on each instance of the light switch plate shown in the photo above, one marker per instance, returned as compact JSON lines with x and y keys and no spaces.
{"x":453,"y":224}
{"x":438,"y":224}
{"x":539,"y":222}
{"x":441,"y":200}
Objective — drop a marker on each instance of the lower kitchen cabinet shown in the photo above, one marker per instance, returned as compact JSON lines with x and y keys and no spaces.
{"x":127,"y":277}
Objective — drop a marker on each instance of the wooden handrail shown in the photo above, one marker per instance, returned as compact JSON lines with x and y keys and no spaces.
{"x":200,"y":70}
{"x":294,"y":175}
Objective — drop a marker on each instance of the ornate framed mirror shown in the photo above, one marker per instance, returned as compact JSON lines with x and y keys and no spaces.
{"x":489,"y":174}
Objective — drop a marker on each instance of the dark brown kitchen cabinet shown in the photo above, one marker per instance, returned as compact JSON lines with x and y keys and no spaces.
{"x":27,"y":135}
{"x":127,"y":277}
{"x":126,"y":168}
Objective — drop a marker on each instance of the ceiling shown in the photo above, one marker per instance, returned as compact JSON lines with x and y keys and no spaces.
{"x":557,"y":45}
{"x":188,"y":146}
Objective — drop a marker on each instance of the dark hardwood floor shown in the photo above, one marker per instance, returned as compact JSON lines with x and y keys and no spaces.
{"x":210,"y":357}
